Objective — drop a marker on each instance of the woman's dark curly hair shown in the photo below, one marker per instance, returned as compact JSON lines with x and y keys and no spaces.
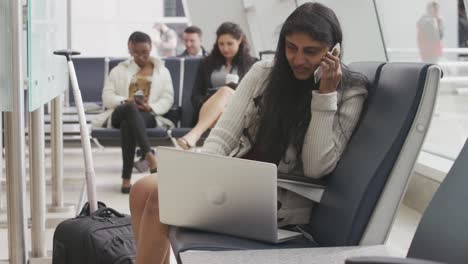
{"x":242,"y":60}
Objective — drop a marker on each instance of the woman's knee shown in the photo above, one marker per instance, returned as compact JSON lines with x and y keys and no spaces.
{"x":130,"y":108}
{"x":142,"y":190}
{"x":226,"y":91}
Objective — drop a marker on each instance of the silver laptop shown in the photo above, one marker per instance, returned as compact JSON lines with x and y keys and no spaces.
{"x":219,"y":194}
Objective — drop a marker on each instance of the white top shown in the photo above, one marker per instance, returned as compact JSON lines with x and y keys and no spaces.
{"x":116,"y":90}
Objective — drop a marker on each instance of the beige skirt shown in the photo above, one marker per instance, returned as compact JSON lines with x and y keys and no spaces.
{"x":294,"y":209}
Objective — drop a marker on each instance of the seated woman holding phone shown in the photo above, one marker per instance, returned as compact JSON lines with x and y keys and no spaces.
{"x":217,"y":78}
{"x":283,"y":113}
{"x":136,"y":94}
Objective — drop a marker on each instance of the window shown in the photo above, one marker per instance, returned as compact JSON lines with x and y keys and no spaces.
{"x":173,"y":8}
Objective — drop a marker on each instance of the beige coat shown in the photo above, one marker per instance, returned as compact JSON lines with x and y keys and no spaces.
{"x":116,"y":90}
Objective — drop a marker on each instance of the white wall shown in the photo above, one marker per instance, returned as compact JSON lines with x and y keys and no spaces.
{"x":101,"y":28}
{"x":265,"y":18}
{"x":209,"y":14}
{"x":399,"y":18}
{"x":362,"y":39}
{"x":361,"y":35}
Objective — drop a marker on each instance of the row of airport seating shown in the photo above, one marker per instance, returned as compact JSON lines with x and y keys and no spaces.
{"x":93,"y":71}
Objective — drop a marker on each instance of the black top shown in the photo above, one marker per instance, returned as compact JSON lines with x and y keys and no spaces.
{"x":203,"y":83}
{"x":185,"y":53}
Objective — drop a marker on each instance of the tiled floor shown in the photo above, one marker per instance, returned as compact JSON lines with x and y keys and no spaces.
{"x":107,"y":167}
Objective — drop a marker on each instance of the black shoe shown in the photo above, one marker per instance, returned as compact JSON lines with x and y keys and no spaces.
{"x":141,"y":165}
{"x":125,"y":189}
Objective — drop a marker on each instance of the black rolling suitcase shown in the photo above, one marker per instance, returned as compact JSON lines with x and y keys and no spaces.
{"x":104,"y":236}
{"x":98,"y":234}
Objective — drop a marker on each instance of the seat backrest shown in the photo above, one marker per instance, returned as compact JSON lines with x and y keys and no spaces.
{"x":190,"y":74}
{"x":355,"y":186}
{"x":442,"y":233}
{"x":114,"y":62}
{"x":90,"y":74}
{"x":173,"y":64}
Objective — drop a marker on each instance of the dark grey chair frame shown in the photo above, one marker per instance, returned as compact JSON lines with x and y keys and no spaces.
{"x":441,"y":235}
{"x":363,"y":193}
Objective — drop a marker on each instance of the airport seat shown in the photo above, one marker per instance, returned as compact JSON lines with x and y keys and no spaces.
{"x":174,"y":65}
{"x":441,"y":234}
{"x":364,"y":191}
{"x":90,"y":72}
{"x":111,"y":136}
{"x":190,"y":69}
{"x":114,"y":61}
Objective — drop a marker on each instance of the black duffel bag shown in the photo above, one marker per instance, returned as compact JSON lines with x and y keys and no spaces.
{"x":105,"y":237}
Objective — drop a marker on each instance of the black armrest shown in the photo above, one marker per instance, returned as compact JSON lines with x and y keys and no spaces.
{"x":300,"y":179}
{"x":388,"y":260}
{"x":266,"y":52}
{"x":174,"y":114}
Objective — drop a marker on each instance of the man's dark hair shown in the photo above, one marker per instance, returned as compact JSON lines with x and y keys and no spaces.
{"x":139,"y":37}
{"x":193,"y":29}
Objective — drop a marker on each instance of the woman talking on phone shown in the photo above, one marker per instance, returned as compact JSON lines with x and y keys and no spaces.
{"x":279,"y":114}
{"x":136,"y":94}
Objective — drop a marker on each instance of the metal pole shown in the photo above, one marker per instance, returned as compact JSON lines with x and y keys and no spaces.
{"x":69,"y":44}
{"x":56,"y":147}
{"x":37,"y":183}
{"x":15,"y":146}
{"x":2,"y":205}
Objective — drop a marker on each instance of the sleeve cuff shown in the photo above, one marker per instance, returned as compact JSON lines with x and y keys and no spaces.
{"x":324,"y":102}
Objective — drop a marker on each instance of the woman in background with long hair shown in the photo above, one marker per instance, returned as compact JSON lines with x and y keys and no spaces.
{"x":217,"y":79}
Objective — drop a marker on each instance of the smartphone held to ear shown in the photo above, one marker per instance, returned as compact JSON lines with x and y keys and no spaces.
{"x":335,"y":51}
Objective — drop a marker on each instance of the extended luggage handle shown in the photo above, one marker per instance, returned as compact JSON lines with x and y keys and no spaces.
{"x":85,"y":136}
{"x":67,"y":53}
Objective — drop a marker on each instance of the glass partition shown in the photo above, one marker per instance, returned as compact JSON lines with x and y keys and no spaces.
{"x":47,"y":32}
{"x":432,"y":31}
{"x":5,"y":56}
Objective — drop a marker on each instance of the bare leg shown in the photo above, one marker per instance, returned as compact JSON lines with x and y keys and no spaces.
{"x":151,"y":160}
{"x":150,"y":234}
{"x":210,"y":113}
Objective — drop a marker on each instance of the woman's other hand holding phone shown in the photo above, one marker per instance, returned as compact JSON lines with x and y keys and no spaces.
{"x":143,"y":105}
{"x":331,"y":72}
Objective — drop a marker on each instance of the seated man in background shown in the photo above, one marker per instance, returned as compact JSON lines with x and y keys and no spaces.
{"x":193,"y":43}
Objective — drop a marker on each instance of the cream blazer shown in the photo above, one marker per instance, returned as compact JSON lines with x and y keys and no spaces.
{"x":116,"y":90}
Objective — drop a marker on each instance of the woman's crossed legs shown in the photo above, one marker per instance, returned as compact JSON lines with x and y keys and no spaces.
{"x":208,"y":116}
